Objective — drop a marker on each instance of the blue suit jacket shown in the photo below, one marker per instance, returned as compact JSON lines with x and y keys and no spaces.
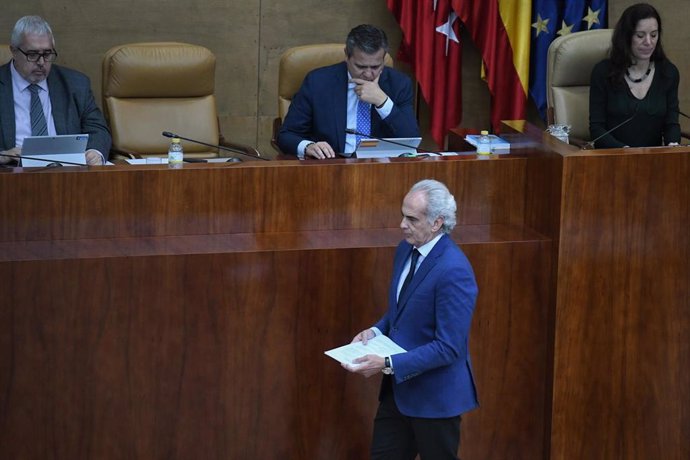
{"x":74,"y":108}
{"x":318,"y":111}
{"x":432,"y":322}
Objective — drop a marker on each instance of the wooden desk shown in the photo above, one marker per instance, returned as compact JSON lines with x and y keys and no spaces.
{"x":158,"y":313}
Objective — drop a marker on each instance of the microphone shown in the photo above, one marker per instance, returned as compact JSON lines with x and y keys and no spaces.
{"x":50,"y":162}
{"x":590,"y":145}
{"x":220,"y":147}
{"x":357,"y":133}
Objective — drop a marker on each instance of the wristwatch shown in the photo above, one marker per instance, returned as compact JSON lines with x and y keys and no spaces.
{"x":387,"y":368}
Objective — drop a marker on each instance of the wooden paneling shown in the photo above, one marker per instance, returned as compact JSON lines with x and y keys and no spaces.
{"x":184,"y":313}
{"x":509,"y":352}
{"x":257,"y":197}
{"x":221,"y":355}
{"x":621,"y":379}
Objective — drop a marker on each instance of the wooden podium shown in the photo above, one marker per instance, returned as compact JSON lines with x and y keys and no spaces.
{"x":158,"y":313}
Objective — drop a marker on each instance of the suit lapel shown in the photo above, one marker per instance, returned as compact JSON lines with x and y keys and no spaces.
{"x":7,"y":123}
{"x":58,"y":101}
{"x":424,"y":269}
{"x":339,"y":95}
{"x":376,"y":122}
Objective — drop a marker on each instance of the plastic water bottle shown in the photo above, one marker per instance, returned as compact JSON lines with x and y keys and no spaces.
{"x":484,"y":143}
{"x":175,"y":153}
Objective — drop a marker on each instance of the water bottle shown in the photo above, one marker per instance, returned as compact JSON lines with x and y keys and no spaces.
{"x":175,"y":153}
{"x":484,"y":143}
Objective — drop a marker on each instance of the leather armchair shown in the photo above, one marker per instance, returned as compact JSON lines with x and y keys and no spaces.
{"x":295,"y":63}
{"x":570,"y":61}
{"x":5,"y":54}
{"x":149,"y":88}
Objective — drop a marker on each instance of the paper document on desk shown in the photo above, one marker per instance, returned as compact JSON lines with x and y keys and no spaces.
{"x":380,"y":345}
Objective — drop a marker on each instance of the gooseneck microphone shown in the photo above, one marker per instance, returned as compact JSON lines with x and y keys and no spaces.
{"x":49,"y":162}
{"x":357,"y":133}
{"x":590,"y":145}
{"x":215,"y":146}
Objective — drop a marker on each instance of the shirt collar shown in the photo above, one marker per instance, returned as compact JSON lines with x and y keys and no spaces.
{"x":425,"y":249}
{"x":350,"y":85}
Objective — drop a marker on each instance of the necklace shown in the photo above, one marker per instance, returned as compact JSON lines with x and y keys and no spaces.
{"x":638,"y":80}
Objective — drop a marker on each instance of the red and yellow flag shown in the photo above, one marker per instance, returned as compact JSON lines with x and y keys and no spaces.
{"x":501,"y":31}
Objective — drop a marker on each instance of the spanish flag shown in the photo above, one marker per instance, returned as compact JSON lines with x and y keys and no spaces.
{"x":501,"y":31}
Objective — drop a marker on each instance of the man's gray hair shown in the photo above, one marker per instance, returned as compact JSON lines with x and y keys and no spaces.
{"x":367,"y":38}
{"x":440,"y":203}
{"x":30,"y":25}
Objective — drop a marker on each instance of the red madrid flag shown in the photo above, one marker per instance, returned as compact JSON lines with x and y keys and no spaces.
{"x":431,"y":45}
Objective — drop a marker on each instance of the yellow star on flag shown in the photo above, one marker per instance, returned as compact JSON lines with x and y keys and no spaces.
{"x":565,"y":29}
{"x":591,"y":18}
{"x":541,"y":25}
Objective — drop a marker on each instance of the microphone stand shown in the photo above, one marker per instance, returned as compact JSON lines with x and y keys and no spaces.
{"x":215,"y":146}
{"x":51,"y":163}
{"x":590,"y":145}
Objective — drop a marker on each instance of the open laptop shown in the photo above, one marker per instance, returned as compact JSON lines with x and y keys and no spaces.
{"x":384,"y":148}
{"x":69,"y":148}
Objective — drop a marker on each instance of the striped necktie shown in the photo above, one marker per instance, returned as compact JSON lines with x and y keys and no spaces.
{"x":39,"y":127}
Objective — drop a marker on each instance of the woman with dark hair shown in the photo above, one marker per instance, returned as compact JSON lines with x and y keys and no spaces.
{"x":636,"y":88}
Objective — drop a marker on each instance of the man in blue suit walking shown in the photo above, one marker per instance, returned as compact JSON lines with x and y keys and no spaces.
{"x":359,"y":94}
{"x":430,"y":304}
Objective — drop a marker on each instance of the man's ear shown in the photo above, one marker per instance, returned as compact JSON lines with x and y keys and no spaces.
{"x":438,"y":223}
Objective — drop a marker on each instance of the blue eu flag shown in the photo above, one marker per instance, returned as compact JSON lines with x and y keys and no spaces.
{"x":551,"y":19}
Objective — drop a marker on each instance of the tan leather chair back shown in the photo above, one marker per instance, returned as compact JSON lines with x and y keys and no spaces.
{"x":296,"y":62}
{"x":5,"y":54}
{"x":149,"y":88}
{"x":570,"y":61}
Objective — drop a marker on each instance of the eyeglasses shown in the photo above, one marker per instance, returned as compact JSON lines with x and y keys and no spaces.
{"x":34,"y":56}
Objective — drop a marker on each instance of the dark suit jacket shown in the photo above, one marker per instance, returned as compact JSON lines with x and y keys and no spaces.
{"x":74,"y":108}
{"x":318,"y":111}
{"x":432,"y":322}
{"x":655,"y":120}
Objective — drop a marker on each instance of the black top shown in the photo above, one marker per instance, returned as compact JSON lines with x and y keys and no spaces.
{"x":654,"y":118}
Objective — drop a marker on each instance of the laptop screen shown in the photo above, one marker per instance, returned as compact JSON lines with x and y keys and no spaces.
{"x":43,"y":150}
{"x":393,"y":147}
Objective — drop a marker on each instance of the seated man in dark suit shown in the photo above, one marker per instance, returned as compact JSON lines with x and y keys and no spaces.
{"x":359,"y":94}
{"x":38,"y":98}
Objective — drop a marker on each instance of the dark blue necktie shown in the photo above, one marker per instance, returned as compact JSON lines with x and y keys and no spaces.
{"x":410,"y":274}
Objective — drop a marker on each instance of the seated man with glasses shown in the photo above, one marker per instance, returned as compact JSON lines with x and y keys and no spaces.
{"x":38,"y":98}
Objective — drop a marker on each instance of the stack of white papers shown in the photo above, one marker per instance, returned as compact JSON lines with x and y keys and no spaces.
{"x":379,"y":345}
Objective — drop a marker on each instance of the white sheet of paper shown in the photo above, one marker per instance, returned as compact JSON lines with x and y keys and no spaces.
{"x":380,"y":345}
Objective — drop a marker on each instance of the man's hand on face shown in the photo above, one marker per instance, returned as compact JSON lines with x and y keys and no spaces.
{"x":370,"y":91}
